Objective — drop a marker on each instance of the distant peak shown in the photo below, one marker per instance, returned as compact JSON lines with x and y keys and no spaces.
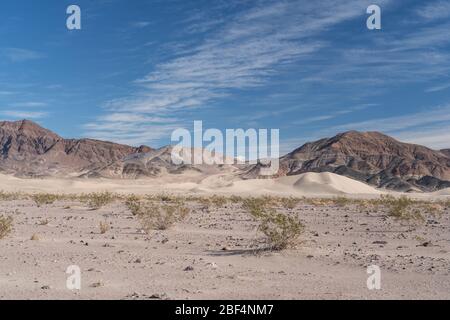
{"x":363,"y":134}
{"x":28,"y":123}
{"x":28,"y":128}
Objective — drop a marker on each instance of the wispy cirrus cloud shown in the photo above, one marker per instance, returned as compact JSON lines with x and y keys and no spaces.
{"x":439,"y":87}
{"x":20,"y":55}
{"x":129,"y":132}
{"x":243,"y":53}
{"x":140,"y":24}
{"x":17,"y":114}
{"x":29,"y":104}
{"x":6,"y":93}
{"x":436,"y":137}
{"x":434,"y":10}
{"x":333,"y":115}
{"x":391,"y":124}
{"x":430,"y":128}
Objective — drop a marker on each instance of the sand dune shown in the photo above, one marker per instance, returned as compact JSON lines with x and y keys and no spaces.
{"x":443,"y":192}
{"x":326,"y":182}
{"x":308,"y":184}
{"x":304,"y":184}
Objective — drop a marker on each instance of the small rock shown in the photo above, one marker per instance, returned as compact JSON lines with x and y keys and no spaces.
{"x":425,"y":244}
{"x":97,"y":284}
{"x":212,"y":265}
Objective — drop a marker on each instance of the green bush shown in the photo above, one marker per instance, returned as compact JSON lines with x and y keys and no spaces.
{"x":44,"y":198}
{"x":282,"y":231}
{"x":5,"y":226}
{"x":154,"y":216}
{"x":98,"y":200}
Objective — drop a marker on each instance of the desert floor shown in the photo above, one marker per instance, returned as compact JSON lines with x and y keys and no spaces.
{"x":188,"y":261}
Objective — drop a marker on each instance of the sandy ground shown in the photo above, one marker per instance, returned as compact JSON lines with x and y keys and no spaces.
{"x":188,"y":260}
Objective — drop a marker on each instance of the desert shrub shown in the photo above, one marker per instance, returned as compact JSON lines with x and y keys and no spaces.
{"x":5,"y":226}
{"x":44,"y":198}
{"x":133,"y":204}
{"x":341,"y":201}
{"x":236,"y":199}
{"x":104,"y":227}
{"x":289,"y":203}
{"x":163,"y":197}
{"x":367,"y":204}
{"x":317,"y":201}
{"x":218,"y":201}
{"x":402,"y":208}
{"x":154,"y":216}
{"x":205,"y":202}
{"x":435,"y":209}
{"x":9,"y":196}
{"x":445,"y":204}
{"x":98,"y":200}
{"x":254,"y":206}
{"x":270,"y":201}
{"x":281,"y":231}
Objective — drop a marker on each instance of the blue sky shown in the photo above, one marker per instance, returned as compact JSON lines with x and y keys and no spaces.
{"x":140,"y":69}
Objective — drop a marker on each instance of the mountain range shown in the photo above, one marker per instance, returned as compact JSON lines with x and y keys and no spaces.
{"x":30,"y":151}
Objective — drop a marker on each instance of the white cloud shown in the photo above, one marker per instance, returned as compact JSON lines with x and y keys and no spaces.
{"x":24,"y":114}
{"x":141,"y":24}
{"x":29,"y":104}
{"x":244,"y":53}
{"x":434,"y":10}
{"x":391,"y":124}
{"x":437,"y":88}
{"x":19,"y":55}
{"x":430,"y":128}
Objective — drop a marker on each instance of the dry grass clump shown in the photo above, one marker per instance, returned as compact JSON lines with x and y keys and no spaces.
{"x":342,"y":201}
{"x":98,"y":200}
{"x":214,"y":201}
{"x":289,"y":203}
{"x":10,"y":196}
{"x":317,"y":201}
{"x":104,"y":227}
{"x":435,"y":209}
{"x":5,"y":226}
{"x":218,"y":201}
{"x":160,"y":217}
{"x":446,"y":203}
{"x":154,"y":216}
{"x":44,"y":198}
{"x":368,"y":205}
{"x":403,"y":208}
{"x":133,"y":204}
{"x":163,"y":197}
{"x":35,"y":237}
{"x":255,"y":206}
{"x":236,"y":199}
